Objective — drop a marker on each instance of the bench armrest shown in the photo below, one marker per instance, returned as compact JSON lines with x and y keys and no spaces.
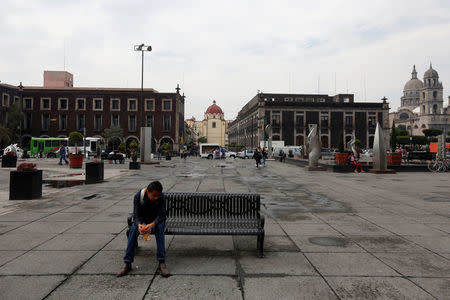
{"x":262,"y":221}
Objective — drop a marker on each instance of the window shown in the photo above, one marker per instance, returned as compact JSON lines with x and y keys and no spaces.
{"x":27,"y":121}
{"x":28,"y":103}
{"x":132,"y":106}
{"x":115,"y":120}
{"x":98,"y":122}
{"x":81,"y":104}
{"x":276,"y":120}
{"x":80,"y":122}
{"x":167,"y":105}
{"x":16,"y":99}
{"x":132,"y":123}
{"x":149,"y":121}
{"x":372,"y":122}
{"x":213,"y":124}
{"x":149,"y":104}
{"x":62,"y":103}
{"x":5,"y":100}
{"x":299,"y":121}
{"x":115,"y":104}
{"x":288,"y":99}
{"x":166,"y":123}
{"x":45,"y":103}
{"x":434,"y":95}
{"x":98,"y":104}
{"x":63,"y":122}
{"x":45,"y":122}
{"x":348,"y":121}
{"x":324,"y":121}
{"x":321,"y":99}
{"x":346,"y":100}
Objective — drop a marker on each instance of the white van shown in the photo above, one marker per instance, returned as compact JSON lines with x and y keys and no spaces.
{"x":207,"y":150}
{"x":297,"y":150}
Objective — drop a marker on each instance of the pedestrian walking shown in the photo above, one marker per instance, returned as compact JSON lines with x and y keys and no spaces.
{"x":264,"y":156}
{"x":159,"y":153}
{"x":62,"y":154}
{"x":257,"y":157}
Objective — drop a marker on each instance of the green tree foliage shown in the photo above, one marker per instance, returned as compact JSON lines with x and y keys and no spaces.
{"x":15,"y":117}
{"x":419,"y":140}
{"x":202,"y":140}
{"x":403,"y":140}
{"x":5,"y":137}
{"x":133,"y":144}
{"x":75,"y":137}
{"x":401,"y":132}
{"x":121,"y":147}
{"x":393,"y":137}
{"x":432,"y":132}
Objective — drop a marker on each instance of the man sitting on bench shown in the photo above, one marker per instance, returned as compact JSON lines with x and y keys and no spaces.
{"x":149,"y":216}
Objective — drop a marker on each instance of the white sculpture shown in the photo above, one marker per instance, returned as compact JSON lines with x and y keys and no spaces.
{"x":313,"y":146}
{"x":379,"y":150}
{"x":351,"y":145}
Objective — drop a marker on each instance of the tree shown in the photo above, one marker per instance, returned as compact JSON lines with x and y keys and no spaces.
{"x":15,"y":117}
{"x":75,"y":137}
{"x":4,"y":137}
{"x":202,"y":140}
{"x":393,"y":137}
{"x":121,"y":147}
{"x":114,"y":136}
{"x":403,"y":140}
{"x":432,"y":132}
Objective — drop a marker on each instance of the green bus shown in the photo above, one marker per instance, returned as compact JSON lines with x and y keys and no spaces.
{"x":48,"y":146}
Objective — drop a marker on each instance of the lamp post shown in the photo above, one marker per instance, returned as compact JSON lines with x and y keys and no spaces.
{"x":142,"y":48}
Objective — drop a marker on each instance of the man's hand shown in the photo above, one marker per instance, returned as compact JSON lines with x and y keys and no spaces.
{"x":144,"y":229}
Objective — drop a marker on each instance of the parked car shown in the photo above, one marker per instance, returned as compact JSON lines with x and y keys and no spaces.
{"x":246,"y":154}
{"x":230,"y":154}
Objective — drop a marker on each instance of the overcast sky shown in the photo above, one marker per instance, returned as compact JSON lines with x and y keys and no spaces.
{"x":227,"y":50}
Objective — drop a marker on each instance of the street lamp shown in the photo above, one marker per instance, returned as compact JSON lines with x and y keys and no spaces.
{"x":142,"y":48}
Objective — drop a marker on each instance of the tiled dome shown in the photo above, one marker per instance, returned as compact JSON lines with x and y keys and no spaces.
{"x":214,"y":109}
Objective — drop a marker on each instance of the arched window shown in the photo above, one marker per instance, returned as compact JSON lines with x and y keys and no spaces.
{"x":424,"y":126}
{"x":435,"y":94}
{"x":423,"y":109}
{"x":416,"y":127}
{"x":435,"y":109}
{"x":404,"y":116}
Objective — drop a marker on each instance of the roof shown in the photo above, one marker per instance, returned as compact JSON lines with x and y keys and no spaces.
{"x":214,"y":109}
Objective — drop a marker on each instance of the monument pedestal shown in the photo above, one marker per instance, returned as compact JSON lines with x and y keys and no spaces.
{"x":318,"y":168}
{"x":378,"y":171}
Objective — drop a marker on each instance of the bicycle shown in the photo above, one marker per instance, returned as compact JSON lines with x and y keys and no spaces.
{"x":438,"y":165}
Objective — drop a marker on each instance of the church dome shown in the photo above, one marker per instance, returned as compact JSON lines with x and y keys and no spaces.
{"x":214,"y":109}
{"x":431,"y":73}
{"x":414,"y":84}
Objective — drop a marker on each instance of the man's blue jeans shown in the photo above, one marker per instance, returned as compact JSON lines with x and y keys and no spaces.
{"x":158,"y":231}
{"x":61,"y":159}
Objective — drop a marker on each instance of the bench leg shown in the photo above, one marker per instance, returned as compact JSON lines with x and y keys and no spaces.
{"x":260,"y":245}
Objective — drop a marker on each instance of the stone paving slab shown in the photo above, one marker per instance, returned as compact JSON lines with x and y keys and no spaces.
{"x":8,"y":226}
{"x":77,"y":241}
{"x":391,"y":243}
{"x":47,"y":227}
{"x":423,"y":264}
{"x":439,"y":244}
{"x":98,"y":227}
{"x":201,"y":264}
{"x":287,"y":287}
{"x":337,"y":243}
{"x":46,"y":263}
{"x":271,"y":243}
{"x":23,"y":240}
{"x":309,"y":229}
{"x":372,"y":288}
{"x":28,"y":287}
{"x":201,"y":243}
{"x":286,"y":263}
{"x":103,"y":287}
{"x":194,"y":287}
{"x":8,"y":255}
{"x":349,"y":264}
{"x":110,"y":262}
{"x":438,"y":287}
{"x":412,"y":229}
{"x":67,"y":217}
{"x":362,"y":228}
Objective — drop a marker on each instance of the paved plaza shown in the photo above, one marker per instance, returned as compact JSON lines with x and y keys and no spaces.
{"x":328,"y":236}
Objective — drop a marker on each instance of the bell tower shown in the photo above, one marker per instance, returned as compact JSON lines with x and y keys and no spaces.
{"x":431,"y":98}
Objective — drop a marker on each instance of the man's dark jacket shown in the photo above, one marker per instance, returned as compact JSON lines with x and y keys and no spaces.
{"x":147,"y":211}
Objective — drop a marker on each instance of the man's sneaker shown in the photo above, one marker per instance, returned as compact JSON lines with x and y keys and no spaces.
{"x":125,"y":269}
{"x":162,"y":269}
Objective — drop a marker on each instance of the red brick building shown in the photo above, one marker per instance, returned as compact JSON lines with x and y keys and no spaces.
{"x":57,"y":111}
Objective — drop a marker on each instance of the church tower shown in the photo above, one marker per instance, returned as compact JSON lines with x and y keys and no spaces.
{"x":431,"y":98}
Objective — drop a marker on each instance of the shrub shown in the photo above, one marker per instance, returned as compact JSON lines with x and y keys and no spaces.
{"x":133,"y":144}
{"x":121,"y":147}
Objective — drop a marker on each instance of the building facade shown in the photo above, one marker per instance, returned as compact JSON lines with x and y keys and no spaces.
{"x":422,"y":104}
{"x":55,"y":112}
{"x":290,"y":114}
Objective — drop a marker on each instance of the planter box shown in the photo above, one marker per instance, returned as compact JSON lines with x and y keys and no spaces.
{"x":9,"y":161}
{"x":341,"y":158}
{"x":25,"y":185}
{"x":76,"y":161}
{"x":94,"y":172}
{"x":394,"y":159}
{"x":135,"y":165}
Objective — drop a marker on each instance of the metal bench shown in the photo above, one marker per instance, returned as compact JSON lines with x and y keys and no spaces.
{"x":214,"y":214}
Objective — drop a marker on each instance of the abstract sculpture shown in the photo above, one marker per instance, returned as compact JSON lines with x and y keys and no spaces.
{"x":313,"y":146}
{"x":379,"y":153}
{"x":351,"y":144}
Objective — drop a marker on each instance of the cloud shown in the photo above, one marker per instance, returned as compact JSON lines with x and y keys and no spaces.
{"x":228,"y":50}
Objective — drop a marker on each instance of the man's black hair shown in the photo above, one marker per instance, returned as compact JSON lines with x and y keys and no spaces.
{"x":155,"y":186}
